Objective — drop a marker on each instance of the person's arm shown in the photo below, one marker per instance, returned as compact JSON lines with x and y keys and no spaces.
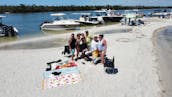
{"x":105,"y":44}
{"x":69,"y":42}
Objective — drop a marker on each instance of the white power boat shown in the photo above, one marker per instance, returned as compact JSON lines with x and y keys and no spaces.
{"x":132,"y":18}
{"x":161,"y":13}
{"x":98,"y":15}
{"x":111,"y":16}
{"x":105,"y":15}
{"x":86,"y":19}
{"x":6,"y":30}
{"x":60,"y":23}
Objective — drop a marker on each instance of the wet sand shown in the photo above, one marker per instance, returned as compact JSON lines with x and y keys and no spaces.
{"x":163,"y":44}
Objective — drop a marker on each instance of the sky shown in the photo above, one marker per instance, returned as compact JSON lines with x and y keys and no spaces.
{"x":88,"y":2}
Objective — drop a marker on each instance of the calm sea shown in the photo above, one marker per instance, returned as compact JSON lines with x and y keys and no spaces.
{"x":28,"y":24}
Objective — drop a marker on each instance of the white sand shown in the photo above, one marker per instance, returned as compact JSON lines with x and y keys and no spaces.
{"x":22,"y":70}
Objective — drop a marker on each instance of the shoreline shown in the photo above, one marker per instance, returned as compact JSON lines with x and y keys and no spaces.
{"x":135,"y":59}
{"x":164,"y":66}
{"x":59,"y":40}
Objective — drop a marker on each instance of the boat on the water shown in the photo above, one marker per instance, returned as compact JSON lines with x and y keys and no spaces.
{"x":132,"y":18}
{"x":60,"y":23}
{"x":105,"y":15}
{"x":86,"y":19}
{"x":161,"y":13}
{"x":6,"y":30}
{"x":111,"y":16}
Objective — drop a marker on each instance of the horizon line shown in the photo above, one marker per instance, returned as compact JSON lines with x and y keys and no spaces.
{"x":92,"y":5}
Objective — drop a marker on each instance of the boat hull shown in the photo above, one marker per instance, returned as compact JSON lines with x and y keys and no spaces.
{"x":88,"y":22}
{"x":112,"y":18}
{"x":58,"y":27}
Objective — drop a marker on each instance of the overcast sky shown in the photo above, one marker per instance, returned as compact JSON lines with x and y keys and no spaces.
{"x":88,"y":2}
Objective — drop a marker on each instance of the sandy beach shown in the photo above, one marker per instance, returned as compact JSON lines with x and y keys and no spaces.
{"x":135,"y":57}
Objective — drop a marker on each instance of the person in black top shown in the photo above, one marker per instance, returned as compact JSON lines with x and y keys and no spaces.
{"x":72,"y":45}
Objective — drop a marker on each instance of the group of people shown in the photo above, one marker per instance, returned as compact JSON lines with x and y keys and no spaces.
{"x":83,"y":42}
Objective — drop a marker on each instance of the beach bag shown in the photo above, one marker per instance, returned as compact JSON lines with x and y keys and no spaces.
{"x":109,"y":62}
{"x":66,"y":50}
{"x":109,"y":66}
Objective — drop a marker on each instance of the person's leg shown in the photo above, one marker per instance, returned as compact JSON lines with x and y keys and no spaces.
{"x":102,"y":57}
{"x":93,"y":56}
{"x":73,"y":53}
{"x":77,"y":52}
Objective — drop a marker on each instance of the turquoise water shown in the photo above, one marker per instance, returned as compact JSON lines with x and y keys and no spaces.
{"x":28,"y":24}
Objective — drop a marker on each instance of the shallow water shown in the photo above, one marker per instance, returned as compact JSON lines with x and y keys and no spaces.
{"x":36,"y":44}
{"x":164,"y":44}
{"x":50,"y":43}
{"x":28,"y":24}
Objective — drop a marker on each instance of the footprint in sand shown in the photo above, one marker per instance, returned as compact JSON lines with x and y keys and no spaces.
{"x":123,"y":40}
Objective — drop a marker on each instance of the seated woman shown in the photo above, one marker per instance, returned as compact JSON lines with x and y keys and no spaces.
{"x":83,"y":44}
{"x":102,"y":47}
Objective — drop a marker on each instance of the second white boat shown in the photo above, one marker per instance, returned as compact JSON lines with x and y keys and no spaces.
{"x":60,"y":23}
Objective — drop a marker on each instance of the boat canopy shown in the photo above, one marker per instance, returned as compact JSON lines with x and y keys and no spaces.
{"x":100,"y":11}
{"x":130,"y":16}
{"x":58,"y":14}
{"x":1,"y":16}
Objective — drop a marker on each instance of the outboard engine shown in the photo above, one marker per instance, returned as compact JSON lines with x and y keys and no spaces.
{"x":8,"y":31}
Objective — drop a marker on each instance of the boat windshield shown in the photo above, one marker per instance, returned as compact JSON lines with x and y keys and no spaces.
{"x":132,"y":11}
{"x":64,"y":17}
{"x":1,"y":19}
{"x":161,"y":10}
{"x":99,"y":14}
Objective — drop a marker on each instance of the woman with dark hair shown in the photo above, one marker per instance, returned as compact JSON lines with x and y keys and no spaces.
{"x":84,"y":43}
{"x":78,"y":46}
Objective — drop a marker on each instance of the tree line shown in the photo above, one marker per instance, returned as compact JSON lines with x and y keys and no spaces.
{"x":22,"y":8}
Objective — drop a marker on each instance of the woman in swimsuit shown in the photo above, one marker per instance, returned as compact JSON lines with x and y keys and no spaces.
{"x":102,"y":47}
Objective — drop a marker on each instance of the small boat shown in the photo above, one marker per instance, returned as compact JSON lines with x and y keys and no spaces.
{"x":98,"y":16}
{"x":132,"y":18}
{"x":108,"y":15}
{"x":7,"y":31}
{"x":161,"y":13}
{"x":86,"y":19}
{"x":60,"y":23}
{"x":111,"y":16}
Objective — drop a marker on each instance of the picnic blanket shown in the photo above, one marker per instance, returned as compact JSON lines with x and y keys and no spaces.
{"x":67,"y":75}
{"x":62,"y":80}
{"x":70,"y":70}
